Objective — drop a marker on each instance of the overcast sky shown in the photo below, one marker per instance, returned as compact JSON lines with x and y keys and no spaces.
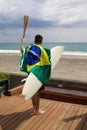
{"x":56,"y":20}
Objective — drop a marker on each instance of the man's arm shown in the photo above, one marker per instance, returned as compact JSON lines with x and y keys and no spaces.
{"x":22,"y":45}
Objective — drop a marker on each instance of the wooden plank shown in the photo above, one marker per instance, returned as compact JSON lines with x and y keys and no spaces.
{"x":49,"y":117}
{"x":15,"y":114}
{"x":82,"y":122}
{"x":60,"y":115}
{"x":85,"y":124}
{"x":78,"y":119}
{"x":52,"y":120}
{"x":34,"y":119}
{"x":46,"y":115}
{"x":67,"y":91}
{"x":25,"y":116}
{"x":5,"y":108}
{"x":65,"y":96}
{"x":63,"y":123}
{"x":70,"y":118}
{"x":15,"y":91}
{"x":12,"y":114}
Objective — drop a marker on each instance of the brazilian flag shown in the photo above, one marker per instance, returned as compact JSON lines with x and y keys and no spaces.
{"x":36,"y":59}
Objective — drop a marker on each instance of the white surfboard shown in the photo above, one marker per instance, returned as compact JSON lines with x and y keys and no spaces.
{"x":56,"y":53}
{"x":32,"y":84}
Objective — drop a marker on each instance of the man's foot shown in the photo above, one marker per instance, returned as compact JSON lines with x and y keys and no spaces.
{"x":38,"y":112}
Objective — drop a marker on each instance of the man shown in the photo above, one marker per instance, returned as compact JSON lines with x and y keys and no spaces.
{"x":38,"y":62}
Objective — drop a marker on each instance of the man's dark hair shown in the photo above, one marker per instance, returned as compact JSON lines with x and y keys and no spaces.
{"x":38,"y":39}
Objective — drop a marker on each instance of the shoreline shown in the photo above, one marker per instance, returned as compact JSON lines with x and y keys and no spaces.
{"x":8,"y":52}
{"x":69,"y":67}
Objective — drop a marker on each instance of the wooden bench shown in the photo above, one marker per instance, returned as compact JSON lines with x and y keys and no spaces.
{"x":66,"y":91}
{"x":15,"y":91}
{"x":65,"y":95}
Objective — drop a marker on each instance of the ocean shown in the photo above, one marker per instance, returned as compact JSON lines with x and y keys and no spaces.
{"x":69,"y":48}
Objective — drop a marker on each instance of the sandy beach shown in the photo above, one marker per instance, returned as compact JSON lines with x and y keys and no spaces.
{"x":69,"y":67}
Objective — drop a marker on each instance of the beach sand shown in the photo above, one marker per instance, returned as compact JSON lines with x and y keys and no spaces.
{"x":69,"y":67}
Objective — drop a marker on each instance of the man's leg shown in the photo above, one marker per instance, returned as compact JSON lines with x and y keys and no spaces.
{"x":33,"y":103}
{"x":36,"y":102}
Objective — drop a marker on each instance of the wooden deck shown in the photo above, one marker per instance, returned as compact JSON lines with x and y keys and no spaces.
{"x":15,"y":114}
